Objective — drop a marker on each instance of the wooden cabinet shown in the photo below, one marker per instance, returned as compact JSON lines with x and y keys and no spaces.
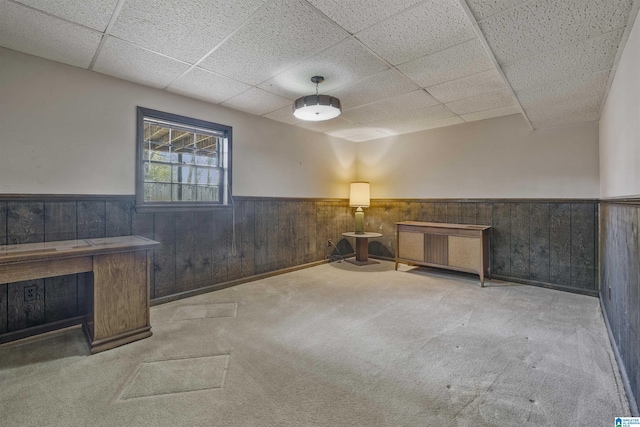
{"x":459,"y":247}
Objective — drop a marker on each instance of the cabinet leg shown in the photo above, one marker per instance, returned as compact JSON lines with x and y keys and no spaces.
{"x":481,"y":279}
{"x":396,"y":265}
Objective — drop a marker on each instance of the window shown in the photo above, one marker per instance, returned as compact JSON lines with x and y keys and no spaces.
{"x":182,"y":162}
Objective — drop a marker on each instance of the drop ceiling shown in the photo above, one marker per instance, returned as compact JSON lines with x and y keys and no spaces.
{"x":397,"y":66}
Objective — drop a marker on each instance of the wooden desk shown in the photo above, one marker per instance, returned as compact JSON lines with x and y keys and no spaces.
{"x":461,"y":247}
{"x":362,"y":248}
{"x":118,"y":296}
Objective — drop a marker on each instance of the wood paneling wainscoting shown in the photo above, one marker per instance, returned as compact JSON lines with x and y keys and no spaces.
{"x":197,"y":248}
{"x":620,"y":286}
{"x":551,"y":243}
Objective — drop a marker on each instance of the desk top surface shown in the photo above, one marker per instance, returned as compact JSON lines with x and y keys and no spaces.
{"x":67,"y":248}
{"x":445,"y":225}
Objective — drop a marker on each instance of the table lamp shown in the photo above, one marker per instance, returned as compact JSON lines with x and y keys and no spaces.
{"x":359,"y":198}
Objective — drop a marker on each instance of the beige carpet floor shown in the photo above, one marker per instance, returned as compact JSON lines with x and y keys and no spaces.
{"x":333,"y":345}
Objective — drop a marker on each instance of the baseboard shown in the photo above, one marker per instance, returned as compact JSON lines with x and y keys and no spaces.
{"x":588,"y":292}
{"x":633,"y":405}
{"x":223,"y":285}
{"x":591,"y":293}
{"x":40,"y":329}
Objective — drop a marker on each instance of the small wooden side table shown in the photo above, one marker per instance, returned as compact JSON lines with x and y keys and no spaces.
{"x":362,"y":248}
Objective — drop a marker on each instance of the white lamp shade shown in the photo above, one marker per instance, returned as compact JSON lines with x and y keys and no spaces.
{"x":359,"y":195}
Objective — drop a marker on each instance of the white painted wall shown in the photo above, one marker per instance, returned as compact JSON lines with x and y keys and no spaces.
{"x":65,"y":130}
{"x":620,"y":125}
{"x":495,"y":158}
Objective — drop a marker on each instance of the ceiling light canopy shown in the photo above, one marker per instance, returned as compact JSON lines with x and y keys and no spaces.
{"x":316,"y":108}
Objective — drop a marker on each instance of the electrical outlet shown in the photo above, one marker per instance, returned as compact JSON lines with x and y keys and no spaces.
{"x":29,"y":294}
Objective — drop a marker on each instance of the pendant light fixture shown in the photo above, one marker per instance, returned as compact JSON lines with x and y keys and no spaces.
{"x":316,"y":108}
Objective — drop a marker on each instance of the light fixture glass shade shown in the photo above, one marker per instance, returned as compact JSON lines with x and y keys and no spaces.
{"x":316,"y":108}
{"x":359,"y":195}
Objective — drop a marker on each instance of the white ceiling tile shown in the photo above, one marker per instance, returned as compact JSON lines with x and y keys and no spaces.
{"x":585,"y":86}
{"x":185,"y":30}
{"x":355,"y":16}
{"x":449,"y":121}
{"x":374,"y":88}
{"x":208,"y":86}
{"x":483,"y":8}
{"x":590,"y":56}
{"x":573,"y":111}
{"x":449,"y":64}
{"x":257,"y":101}
{"x":121,"y":59}
{"x":91,"y":13}
{"x":489,"y":114}
{"x":285,"y":33}
{"x":39,"y":34}
{"x":325,"y":125}
{"x":467,"y":87}
{"x":422,"y":116}
{"x":542,"y":25}
{"x":350,"y":130}
{"x":432,"y":26}
{"x":389,"y":107}
{"x":284,"y":114}
{"x":367,"y":136}
{"x":486,"y":101}
{"x":340,"y":65}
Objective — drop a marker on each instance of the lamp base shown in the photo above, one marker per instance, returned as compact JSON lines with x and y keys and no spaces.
{"x":359,"y":217}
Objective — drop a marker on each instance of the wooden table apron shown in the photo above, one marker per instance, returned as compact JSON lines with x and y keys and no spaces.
{"x":118,"y":298}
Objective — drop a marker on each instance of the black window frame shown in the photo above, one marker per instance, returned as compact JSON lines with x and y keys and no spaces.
{"x":226,"y":200}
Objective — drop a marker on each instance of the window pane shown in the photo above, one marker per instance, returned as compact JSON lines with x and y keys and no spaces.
{"x":208,"y":176}
{"x":206,"y":158}
{"x":181,"y":140}
{"x":185,"y":157}
{"x":154,"y":172}
{"x":157,"y":192}
{"x":208,"y":194}
{"x":184,"y":193}
{"x":184,"y":174}
{"x":157,"y":155}
{"x":206,"y":142}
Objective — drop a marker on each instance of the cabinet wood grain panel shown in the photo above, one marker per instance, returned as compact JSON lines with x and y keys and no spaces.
{"x":435,"y":249}
{"x":120,"y":305}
